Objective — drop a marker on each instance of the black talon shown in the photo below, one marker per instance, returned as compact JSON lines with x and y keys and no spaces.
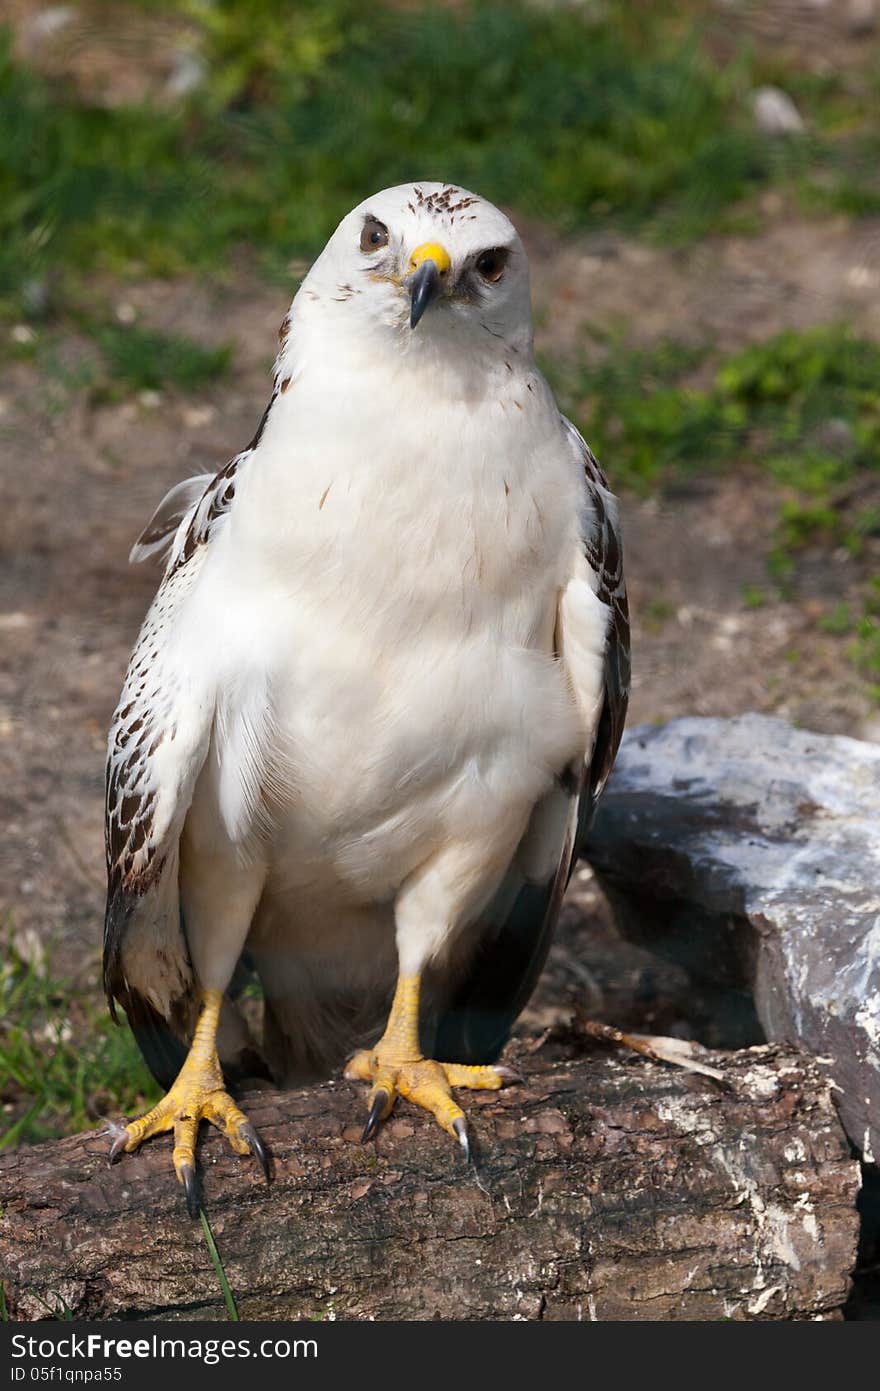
{"x":377,"y":1110}
{"x":257,"y":1148}
{"x":190,"y":1188}
{"x":460,"y":1129}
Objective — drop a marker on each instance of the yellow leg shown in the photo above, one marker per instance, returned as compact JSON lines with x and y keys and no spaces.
{"x":395,"y":1067}
{"x":197,"y":1093}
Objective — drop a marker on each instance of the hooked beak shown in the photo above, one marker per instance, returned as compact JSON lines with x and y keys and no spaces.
{"x":428,"y":264}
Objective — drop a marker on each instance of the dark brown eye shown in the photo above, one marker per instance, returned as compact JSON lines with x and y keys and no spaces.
{"x":374,"y":236}
{"x":491,"y":264}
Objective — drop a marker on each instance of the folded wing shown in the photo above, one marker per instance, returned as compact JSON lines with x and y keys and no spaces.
{"x":158,"y":741}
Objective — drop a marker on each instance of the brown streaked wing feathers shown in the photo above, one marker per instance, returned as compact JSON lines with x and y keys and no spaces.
{"x":154,"y":712}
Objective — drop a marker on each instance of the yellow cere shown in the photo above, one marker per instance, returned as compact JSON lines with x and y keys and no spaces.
{"x":431,"y":251}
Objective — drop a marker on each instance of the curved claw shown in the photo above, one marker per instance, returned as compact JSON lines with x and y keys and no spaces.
{"x":509,"y":1074}
{"x":257,"y":1148}
{"x":187,"y":1176}
{"x":377,"y":1111}
{"x":460,"y":1129}
{"x":120,"y":1140}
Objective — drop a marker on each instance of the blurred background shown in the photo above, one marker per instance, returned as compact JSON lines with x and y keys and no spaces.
{"x":698,"y":185}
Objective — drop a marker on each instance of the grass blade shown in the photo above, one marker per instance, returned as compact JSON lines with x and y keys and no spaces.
{"x":231,"y":1309}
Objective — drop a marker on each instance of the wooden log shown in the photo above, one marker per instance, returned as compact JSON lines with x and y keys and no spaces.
{"x":606,"y":1187}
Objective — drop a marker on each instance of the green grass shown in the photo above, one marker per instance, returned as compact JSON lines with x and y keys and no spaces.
{"x":64,"y":1065}
{"x":575,"y":115}
{"x":111,"y":360}
{"x":228,"y":1297}
{"x":144,"y":360}
{"x":754,"y":596}
{"x":633,"y":409}
{"x":805,"y":407}
{"x":801,"y":408}
{"x":864,"y":646}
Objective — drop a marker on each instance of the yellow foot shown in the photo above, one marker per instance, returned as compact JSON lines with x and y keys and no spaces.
{"x":427,"y":1084}
{"x":197,"y":1094}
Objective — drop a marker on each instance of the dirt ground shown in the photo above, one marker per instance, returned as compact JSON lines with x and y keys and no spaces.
{"x":83,"y":478}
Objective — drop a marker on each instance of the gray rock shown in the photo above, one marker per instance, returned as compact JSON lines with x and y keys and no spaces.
{"x":776,"y":113}
{"x":749,"y":852}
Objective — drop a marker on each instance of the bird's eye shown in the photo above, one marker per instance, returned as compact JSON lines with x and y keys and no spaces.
{"x":374,"y":235}
{"x":491,"y":264}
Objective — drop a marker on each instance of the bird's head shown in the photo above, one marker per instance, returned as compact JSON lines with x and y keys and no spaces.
{"x":426,"y":266}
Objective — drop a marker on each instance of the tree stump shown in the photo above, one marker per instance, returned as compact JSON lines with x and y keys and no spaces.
{"x":605,"y":1187}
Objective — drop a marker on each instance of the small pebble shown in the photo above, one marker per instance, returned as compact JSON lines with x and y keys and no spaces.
{"x":188,"y":73}
{"x":776,"y":113}
{"x":194,"y":417}
{"x":45,"y":24}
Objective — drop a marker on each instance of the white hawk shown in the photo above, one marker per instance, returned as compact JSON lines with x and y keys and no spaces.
{"x":377,"y":694}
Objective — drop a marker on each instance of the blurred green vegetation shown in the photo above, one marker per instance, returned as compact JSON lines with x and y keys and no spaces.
{"x":802,"y":408}
{"x":636,"y":116}
{"x":115,"y":359}
{"x":64,"y":1065}
{"x":579,"y":115}
{"x":143,"y":360}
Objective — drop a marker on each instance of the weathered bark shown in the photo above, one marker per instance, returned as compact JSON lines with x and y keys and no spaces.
{"x":606,"y":1187}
